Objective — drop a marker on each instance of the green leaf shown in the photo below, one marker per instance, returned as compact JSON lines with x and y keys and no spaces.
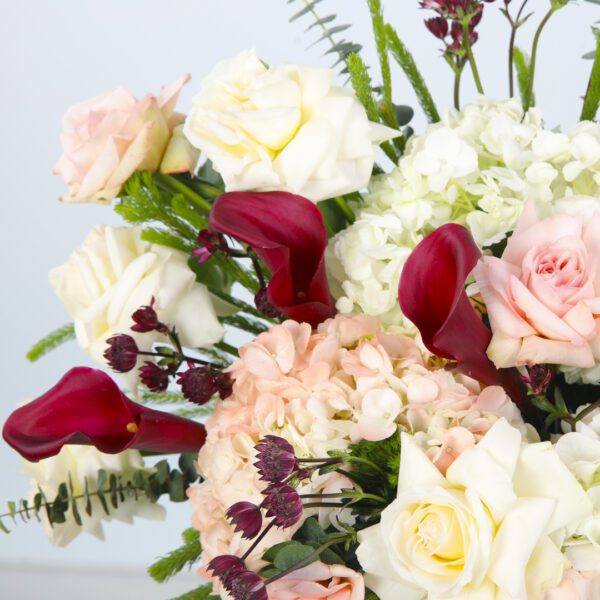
{"x":53,"y":340}
{"x":369,"y":595}
{"x":523,"y":67}
{"x":311,"y":531}
{"x":175,"y":561}
{"x":407,"y":63}
{"x":177,"y":487}
{"x":592,"y":96}
{"x":3,"y":527}
{"x":308,"y":8}
{"x":291,"y":554}
{"x":363,"y":88}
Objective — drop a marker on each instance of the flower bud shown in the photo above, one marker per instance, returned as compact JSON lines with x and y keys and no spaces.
{"x":276,"y":459}
{"x":284,"y":504}
{"x":438,"y":26}
{"x":155,"y":378}
{"x":246,"y":517}
{"x":122,"y":352}
{"x":145,"y":320}
{"x":197,"y":384}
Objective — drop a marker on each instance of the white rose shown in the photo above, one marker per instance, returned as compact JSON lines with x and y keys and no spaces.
{"x":115,"y":272}
{"x":481,"y":531}
{"x":580,"y":451}
{"x":283,"y":128}
{"x":83,"y":463}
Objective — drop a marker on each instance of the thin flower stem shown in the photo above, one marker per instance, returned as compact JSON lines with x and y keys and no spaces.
{"x":583,"y":414}
{"x":258,"y":540}
{"x":181,"y":188}
{"x":349,"y":495}
{"x":469,"y":51}
{"x":458,"y":71}
{"x":324,"y":505}
{"x":344,"y":208}
{"x":511,"y":47}
{"x":534,"y":49}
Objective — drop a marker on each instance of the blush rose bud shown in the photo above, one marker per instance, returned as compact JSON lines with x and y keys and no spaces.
{"x":122,"y":353}
{"x":276,"y":459}
{"x":246,"y":518}
{"x":283,"y":503}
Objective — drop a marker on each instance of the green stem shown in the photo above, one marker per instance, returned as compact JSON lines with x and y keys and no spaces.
{"x":244,"y":306}
{"x":458,"y":71}
{"x":469,"y":51}
{"x":511,"y":46}
{"x":225,"y":347}
{"x":341,"y":203}
{"x":534,"y":49}
{"x":177,"y":186}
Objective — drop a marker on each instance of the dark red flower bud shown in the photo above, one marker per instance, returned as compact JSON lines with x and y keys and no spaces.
{"x":276,"y":459}
{"x":246,"y":517}
{"x":122,"y":352}
{"x":261,"y":301}
{"x":538,"y":378}
{"x":209,"y":242}
{"x":226,"y":566}
{"x":155,"y":378}
{"x":197,"y":384}
{"x":145,"y":319}
{"x":224,"y":384}
{"x":438,"y":26}
{"x":246,"y":585}
{"x":283,"y":503}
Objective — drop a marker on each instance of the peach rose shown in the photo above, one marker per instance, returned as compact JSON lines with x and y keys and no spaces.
{"x":576,"y":586}
{"x":543,"y":295}
{"x":319,"y":580}
{"x":107,"y":138}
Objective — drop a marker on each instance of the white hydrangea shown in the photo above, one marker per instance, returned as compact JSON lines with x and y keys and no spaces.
{"x":476,"y":167}
{"x":81,"y":464}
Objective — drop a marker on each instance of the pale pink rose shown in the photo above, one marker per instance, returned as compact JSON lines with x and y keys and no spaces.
{"x":576,"y":586}
{"x":543,"y":295}
{"x":319,"y":580}
{"x":107,"y":138}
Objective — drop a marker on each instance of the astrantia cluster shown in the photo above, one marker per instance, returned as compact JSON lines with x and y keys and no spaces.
{"x":476,"y":167}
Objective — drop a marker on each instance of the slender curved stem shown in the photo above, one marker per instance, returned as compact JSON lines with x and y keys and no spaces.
{"x":471,"y":57}
{"x":458,"y":70}
{"x":181,"y":188}
{"x":511,"y":47}
{"x":534,"y":49}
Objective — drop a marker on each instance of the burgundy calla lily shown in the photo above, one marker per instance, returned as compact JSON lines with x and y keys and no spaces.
{"x":287,"y":232}
{"x":87,"y":407}
{"x":432,"y":295}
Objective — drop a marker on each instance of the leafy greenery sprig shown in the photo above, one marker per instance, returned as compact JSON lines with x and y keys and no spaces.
{"x":110,"y":488}
{"x":50,"y":342}
{"x":177,"y":560}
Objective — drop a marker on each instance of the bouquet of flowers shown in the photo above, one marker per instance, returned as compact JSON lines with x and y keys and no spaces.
{"x":376,"y":353}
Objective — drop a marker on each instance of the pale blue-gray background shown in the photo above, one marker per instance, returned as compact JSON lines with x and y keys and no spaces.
{"x":56,"y":52}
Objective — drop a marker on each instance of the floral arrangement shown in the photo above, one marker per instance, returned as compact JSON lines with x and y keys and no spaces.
{"x":375,"y":352}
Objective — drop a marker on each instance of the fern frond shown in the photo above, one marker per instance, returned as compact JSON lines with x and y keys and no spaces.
{"x":204,"y":592}
{"x":177,"y":560}
{"x":407,"y":63}
{"x":53,"y":340}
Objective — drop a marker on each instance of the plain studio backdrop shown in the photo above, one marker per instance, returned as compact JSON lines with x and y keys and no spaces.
{"x":55,"y":53}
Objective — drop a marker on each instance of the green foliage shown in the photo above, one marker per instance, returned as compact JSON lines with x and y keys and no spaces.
{"x":200,"y":593}
{"x":369,"y":595}
{"x":244,"y":323}
{"x":523,"y":67}
{"x":381,"y":43}
{"x":385,"y":455}
{"x":177,"y":560}
{"x":329,"y":31}
{"x":592,"y":97}
{"x":404,"y":58}
{"x":53,"y":340}
{"x":111,"y":489}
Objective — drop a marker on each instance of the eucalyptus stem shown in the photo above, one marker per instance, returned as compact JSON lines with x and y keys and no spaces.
{"x":534,"y":49}
{"x":471,"y":57}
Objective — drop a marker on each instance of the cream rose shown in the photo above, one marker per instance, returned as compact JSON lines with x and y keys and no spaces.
{"x":115,"y":272}
{"x":107,"y":138}
{"x":283,"y":128}
{"x":82,"y":463}
{"x":543,"y":295}
{"x":482,"y":531}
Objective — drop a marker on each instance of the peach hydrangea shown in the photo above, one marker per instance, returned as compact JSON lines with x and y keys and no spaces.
{"x":324,"y":390}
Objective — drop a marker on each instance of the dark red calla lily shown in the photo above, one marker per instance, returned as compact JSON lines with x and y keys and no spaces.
{"x":432,"y":295}
{"x":287,"y":233}
{"x":87,"y":407}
